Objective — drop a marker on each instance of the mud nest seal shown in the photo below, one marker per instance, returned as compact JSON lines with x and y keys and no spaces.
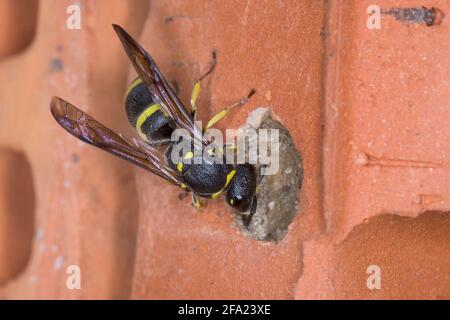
{"x":278,"y":197}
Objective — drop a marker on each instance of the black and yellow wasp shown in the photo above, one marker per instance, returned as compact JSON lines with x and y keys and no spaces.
{"x":155,"y":111}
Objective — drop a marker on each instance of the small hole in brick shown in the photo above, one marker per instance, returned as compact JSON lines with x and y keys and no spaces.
{"x":17,"y":205}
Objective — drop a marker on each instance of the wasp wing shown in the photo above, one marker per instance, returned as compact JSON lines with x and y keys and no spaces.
{"x":149,"y":72}
{"x":89,"y":130}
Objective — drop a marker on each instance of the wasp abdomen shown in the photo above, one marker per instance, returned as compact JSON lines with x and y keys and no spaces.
{"x":145,"y":115}
{"x":157,"y":126}
{"x":137,"y":100}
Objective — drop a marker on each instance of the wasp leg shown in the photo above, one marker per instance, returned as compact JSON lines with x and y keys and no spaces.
{"x":196,"y":90}
{"x":196,"y":202}
{"x":261,"y":176}
{"x":159,"y":142}
{"x":218,"y":116}
{"x":183,"y":194}
{"x":231,"y":146}
{"x":246,"y":219}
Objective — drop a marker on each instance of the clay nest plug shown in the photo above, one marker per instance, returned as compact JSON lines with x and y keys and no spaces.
{"x":278,"y":195}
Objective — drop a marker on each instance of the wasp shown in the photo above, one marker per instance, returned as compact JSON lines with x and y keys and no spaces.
{"x":155,"y":111}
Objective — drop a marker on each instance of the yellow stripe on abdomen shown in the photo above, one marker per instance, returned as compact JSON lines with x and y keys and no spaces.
{"x":132,"y":85}
{"x":151,"y":109}
{"x":229,"y":177}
